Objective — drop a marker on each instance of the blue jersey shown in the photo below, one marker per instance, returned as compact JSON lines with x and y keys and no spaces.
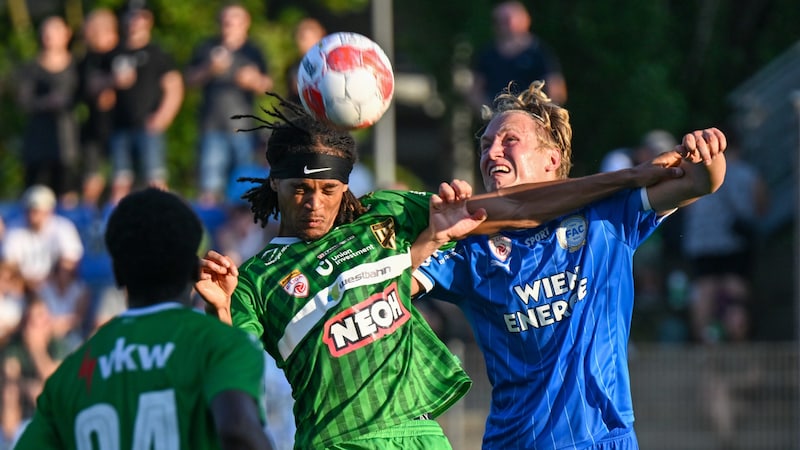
{"x":551,"y":308}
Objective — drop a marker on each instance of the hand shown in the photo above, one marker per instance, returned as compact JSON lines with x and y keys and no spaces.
{"x":218,"y":279}
{"x":703,"y":145}
{"x":250,"y":78}
{"x":220,"y":59}
{"x":664,"y":166}
{"x":157,"y":123}
{"x":449,"y":217}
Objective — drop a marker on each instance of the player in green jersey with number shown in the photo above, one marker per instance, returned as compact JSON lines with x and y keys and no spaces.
{"x":330,"y":298}
{"x":161,"y":375}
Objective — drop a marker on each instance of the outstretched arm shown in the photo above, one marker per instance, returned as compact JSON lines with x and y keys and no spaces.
{"x":704,"y":165}
{"x":449,"y":220}
{"x":530,"y":205}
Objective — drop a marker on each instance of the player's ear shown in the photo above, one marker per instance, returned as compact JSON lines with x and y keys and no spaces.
{"x":553,"y":159}
{"x":273,"y":184}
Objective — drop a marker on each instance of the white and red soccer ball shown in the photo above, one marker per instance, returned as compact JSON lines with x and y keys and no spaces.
{"x":346,"y":80}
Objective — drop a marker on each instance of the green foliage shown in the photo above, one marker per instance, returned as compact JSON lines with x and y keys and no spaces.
{"x":630,"y":65}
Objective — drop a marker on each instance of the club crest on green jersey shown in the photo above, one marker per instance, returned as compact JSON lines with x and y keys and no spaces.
{"x":384,"y":232}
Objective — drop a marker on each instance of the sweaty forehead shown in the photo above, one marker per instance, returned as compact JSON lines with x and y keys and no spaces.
{"x":510,"y":121}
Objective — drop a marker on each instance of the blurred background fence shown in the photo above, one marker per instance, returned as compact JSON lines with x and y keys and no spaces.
{"x":727,"y":396}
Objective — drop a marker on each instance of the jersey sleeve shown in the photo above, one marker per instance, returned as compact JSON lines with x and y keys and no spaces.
{"x":235,"y":362}
{"x":627,"y":217}
{"x":245,"y":309}
{"x":439,"y":274}
{"x":411,"y":208}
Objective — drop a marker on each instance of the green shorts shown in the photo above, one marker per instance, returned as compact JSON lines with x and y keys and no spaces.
{"x":414,"y":435}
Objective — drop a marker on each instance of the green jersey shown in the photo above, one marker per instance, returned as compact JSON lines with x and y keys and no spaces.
{"x":336,"y":315}
{"x":146,"y":380}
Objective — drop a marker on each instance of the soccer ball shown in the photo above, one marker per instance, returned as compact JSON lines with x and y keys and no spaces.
{"x":346,"y":80}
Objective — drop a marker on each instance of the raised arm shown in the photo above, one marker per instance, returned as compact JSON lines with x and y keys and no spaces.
{"x":448,"y":220}
{"x":219,"y":277}
{"x":529,"y":205}
{"x":704,"y":165}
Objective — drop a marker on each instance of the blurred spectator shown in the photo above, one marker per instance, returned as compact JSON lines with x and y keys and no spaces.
{"x":617,"y":159}
{"x":101,"y":37}
{"x":12,"y":414}
{"x":649,"y":263}
{"x":149,"y":93}
{"x":31,"y":355}
{"x":231,"y":70}
{"x":41,"y":239}
{"x":362,"y":180}
{"x":12,"y":299}
{"x":47,"y":89}
{"x":517,"y":55}
{"x":90,"y":216}
{"x":658,"y":311}
{"x":720,"y":233}
{"x":307,"y":33}
{"x":239,"y":237}
{"x":653,"y":143}
{"x":67,"y":300}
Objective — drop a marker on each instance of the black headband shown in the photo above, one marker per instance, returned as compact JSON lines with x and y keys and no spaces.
{"x":313,"y":165}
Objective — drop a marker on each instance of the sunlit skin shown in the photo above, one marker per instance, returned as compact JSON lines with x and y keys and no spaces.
{"x":309,"y":207}
{"x":511,"y":153}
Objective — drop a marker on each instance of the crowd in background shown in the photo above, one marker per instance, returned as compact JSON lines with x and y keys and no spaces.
{"x":56,"y":280}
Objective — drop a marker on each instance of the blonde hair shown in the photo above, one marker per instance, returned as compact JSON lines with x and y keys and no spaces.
{"x":553,"y":119}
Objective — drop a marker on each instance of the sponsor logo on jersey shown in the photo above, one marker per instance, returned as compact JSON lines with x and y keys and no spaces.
{"x":384,"y":233}
{"x":334,"y":247}
{"x":270,"y":255}
{"x":133,"y":357}
{"x":325,"y":266}
{"x":86,"y":370}
{"x":554,"y":299}
{"x":541,"y":235}
{"x":295,"y":284}
{"x":571,"y":233}
{"x":365,"y":322}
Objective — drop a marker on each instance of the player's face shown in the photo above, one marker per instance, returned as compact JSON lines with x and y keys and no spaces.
{"x":309,"y":207}
{"x":512,"y":154}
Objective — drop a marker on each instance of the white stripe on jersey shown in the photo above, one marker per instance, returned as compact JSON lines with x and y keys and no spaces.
{"x":316,"y":307}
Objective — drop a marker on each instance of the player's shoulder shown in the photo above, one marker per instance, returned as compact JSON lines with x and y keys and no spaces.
{"x":210,"y":332}
{"x":388,"y":198}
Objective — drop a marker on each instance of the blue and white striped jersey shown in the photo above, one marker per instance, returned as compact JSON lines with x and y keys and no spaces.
{"x":551,"y":309}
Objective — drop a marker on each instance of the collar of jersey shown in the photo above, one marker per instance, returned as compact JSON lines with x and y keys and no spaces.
{"x":284,"y":240}
{"x":144,"y":310}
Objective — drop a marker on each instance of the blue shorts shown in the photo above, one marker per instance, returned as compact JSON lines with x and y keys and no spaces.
{"x":620,"y":439}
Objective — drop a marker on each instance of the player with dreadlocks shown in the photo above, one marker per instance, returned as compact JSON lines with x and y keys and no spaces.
{"x":330,"y":296}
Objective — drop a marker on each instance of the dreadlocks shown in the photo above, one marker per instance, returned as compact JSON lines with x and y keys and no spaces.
{"x":296,"y":134}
